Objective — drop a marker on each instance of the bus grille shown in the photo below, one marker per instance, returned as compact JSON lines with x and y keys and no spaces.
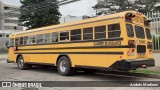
{"x":141,"y":49}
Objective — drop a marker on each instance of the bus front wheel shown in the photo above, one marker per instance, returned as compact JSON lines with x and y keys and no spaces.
{"x":64,"y":66}
{"x":21,"y":65}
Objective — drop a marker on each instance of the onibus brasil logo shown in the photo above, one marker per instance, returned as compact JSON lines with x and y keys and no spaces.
{"x":22,"y":84}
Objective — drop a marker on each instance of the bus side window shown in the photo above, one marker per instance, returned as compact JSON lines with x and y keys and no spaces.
{"x":32,"y":39}
{"x":114,"y":30}
{"x":88,"y":33}
{"x":100,"y":32}
{"x":21,"y":40}
{"x":17,"y":41}
{"x":26,"y":41}
{"x":64,"y":36}
{"x":54,"y":37}
{"x":39,"y":39}
{"x":75,"y":34}
{"x":47,"y":37}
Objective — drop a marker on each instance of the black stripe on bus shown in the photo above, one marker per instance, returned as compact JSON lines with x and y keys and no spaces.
{"x":38,"y":63}
{"x":91,"y":67}
{"x":86,"y":47}
{"x":118,"y":53}
{"x":68,"y":42}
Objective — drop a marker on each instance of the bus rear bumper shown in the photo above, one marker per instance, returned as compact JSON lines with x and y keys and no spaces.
{"x":132,"y":64}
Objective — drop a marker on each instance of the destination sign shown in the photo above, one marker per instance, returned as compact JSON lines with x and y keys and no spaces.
{"x":107,"y":43}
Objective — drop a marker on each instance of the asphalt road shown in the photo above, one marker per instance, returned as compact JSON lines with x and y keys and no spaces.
{"x":10,"y":72}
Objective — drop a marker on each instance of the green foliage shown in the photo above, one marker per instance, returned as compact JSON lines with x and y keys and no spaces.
{"x":158,"y":8}
{"x":111,"y":6}
{"x":39,"y":13}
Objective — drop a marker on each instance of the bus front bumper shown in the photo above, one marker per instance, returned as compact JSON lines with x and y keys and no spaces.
{"x":132,"y":64}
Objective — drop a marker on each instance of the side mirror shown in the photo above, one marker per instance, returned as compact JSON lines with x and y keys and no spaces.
{"x":7,"y":44}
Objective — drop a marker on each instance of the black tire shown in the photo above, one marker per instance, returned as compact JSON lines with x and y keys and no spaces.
{"x":21,"y":65}
{"x":90,"y":71}
{"x":64,"y":66}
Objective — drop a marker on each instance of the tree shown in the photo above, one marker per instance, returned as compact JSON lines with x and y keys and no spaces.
{"x":158,"y":8}
{"x":112,"y":6}
{"x":39,"y":13}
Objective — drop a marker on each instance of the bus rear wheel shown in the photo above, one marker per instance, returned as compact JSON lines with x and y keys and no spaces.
{"x":21,"y":65}
{"x":64,"y":66}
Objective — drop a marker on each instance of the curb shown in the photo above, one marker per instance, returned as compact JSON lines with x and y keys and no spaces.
{"x":157,"y":76}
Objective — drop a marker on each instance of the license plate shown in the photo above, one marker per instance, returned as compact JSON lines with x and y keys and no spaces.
{"x":141,"y":55}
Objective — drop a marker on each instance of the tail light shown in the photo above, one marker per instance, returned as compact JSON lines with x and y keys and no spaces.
{"x":131,"y":43}
{"x":149,"y":45}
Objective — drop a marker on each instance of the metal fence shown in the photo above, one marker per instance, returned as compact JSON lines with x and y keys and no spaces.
{"x":155,"y":28}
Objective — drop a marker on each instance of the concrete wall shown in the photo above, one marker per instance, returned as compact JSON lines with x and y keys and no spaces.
{"x":156,"y":56}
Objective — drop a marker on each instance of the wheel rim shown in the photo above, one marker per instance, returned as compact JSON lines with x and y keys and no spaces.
{"x":63,"y":65}
{"x":21,"y":62}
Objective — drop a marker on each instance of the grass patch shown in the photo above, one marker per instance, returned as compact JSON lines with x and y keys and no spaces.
{"x":145,"y":71}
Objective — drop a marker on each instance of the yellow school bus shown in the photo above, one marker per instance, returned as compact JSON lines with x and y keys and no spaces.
{"x":120,"y":41}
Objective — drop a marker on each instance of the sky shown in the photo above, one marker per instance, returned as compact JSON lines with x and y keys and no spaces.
{"x":80,"y":8}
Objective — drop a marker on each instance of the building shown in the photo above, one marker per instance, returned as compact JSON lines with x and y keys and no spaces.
{"x":9,"y":19}
{"x":8,"y":23}
{"x":72,"y":18}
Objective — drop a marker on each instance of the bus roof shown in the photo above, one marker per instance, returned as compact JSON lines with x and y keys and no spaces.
{"x":120,"y":14}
